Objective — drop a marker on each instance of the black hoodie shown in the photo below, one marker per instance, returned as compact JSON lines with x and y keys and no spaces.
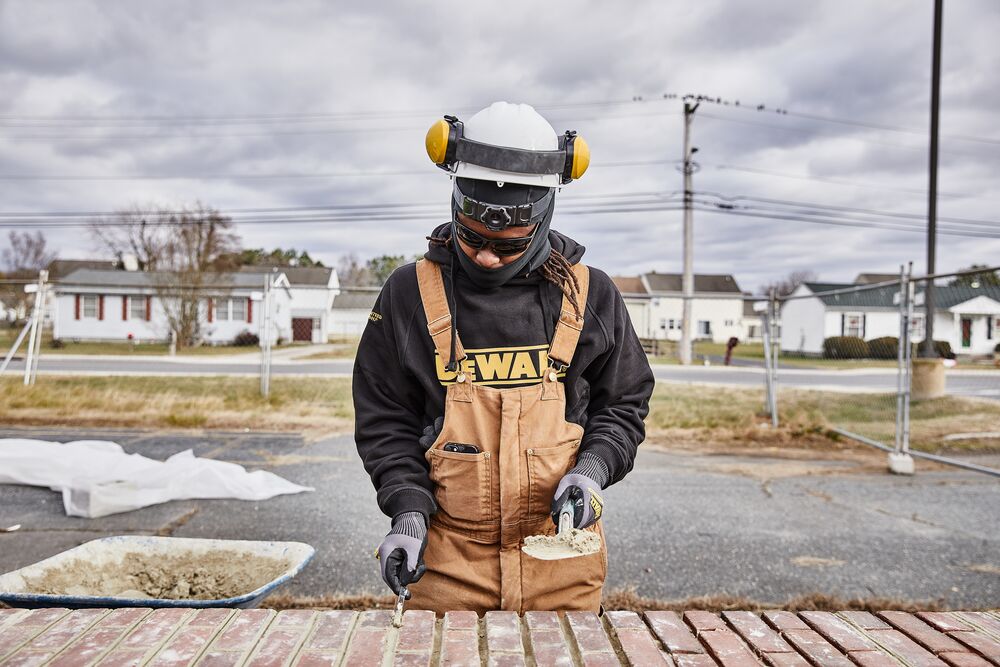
{"x":397,"y":379}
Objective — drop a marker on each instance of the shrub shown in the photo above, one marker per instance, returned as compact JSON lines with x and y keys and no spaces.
{"x":996,"y":348}
{"x":245,"y":339}
{"x":943,"y":349}
{"x":57,"y":343}
{"x":886,"y":347}
{"x":845,"y":347}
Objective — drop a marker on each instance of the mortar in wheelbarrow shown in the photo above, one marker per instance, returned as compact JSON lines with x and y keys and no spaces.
{"x":141,"y":571}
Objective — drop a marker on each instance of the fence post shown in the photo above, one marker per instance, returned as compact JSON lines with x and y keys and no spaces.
{"x":265,"y":340}
{"x":775,"y":347}
{"x":907,"y":382}
{"x":769,"y":397}
{"x":900,"y":461}
{"x":35,"y":337}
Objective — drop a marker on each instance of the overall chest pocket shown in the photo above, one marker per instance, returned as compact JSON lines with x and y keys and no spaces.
{"x":546,"y":466}
{"x":464,"y":484}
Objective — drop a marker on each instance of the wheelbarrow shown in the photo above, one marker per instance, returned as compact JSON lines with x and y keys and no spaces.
{"x":143,"y":571}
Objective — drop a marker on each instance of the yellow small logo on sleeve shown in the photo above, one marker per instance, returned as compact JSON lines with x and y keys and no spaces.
{"x":374,"y":317}
{"x":596,"y":504}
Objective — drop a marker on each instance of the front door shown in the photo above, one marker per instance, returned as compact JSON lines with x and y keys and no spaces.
{"x":966,"y":332}
{"x":302,"y":329}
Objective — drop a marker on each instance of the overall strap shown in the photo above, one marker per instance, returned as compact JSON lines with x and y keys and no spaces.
{"x":569,"y":327}
{"x":435,"y":302}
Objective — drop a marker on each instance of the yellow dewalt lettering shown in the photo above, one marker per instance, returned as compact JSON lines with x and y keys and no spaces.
{"x":495,"y":366}
{"x":543,"y":360}
{"x":522,"y":367}
{"x":442,"y":372}
{"x":469,"y":366}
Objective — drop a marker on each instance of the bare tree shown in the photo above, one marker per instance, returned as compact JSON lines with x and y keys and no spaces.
{"x":186,"y":252}
{"x":789,"y":284}
{"x":352,"y":273}
{"x":27,"y":253}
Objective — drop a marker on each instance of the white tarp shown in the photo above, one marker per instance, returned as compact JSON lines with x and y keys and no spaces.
{"x":97,"y":477}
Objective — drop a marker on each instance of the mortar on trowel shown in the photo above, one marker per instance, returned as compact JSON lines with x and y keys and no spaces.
{"x":568,"y":542}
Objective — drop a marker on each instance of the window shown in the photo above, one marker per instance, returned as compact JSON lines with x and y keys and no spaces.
{"x":704,"y":328}
{"x":989,"y":328}
{"x":753,"y":331}
{"x":89,"y":306}
{"x":729,"y":323}
{"x":663,"y":324}
{"x":222,"y":309}
{"x":854,"y":325}
{"x":137,"y":307}
{"x":239,"y":309}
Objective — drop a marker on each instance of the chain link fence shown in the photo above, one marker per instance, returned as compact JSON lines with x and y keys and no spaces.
{"x":876,"y":377}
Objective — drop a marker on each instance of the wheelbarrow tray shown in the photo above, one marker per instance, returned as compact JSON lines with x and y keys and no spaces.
{"x":14,"y":587}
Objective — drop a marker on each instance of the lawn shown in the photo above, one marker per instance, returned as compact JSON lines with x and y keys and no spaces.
{"x":8,"y":336}
{"x":684,"y":415}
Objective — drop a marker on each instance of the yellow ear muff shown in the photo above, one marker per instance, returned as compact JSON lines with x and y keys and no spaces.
{"x":581,"y":158}
{"x":437,"y":141}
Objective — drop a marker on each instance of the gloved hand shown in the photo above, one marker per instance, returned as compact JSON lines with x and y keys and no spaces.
{"x":401,"y":554}
{"x":431,"y":433}
{"x":582,"y":485}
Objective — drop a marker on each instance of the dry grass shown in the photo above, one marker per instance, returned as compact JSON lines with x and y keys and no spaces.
{"x":627,"y":599}
{"x":295,"y":404}
{"x":346,"y":348}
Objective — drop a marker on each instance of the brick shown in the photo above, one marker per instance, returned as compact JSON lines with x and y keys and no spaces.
{"x":964,"y":660}
{"x":704,"y":620}
{"x":787,"y":660}
{"x":637,"y":644}
{"x":944,"y":621}
{"x":369,"y":642}
{"x":211,"y":617}
{"x":460,"y":638}
{"x":27,"y":659}
{"x":985,"y":621}
{"x":934,"y":641}
{"x":332,"y":630}
{"x":600,"y":660}
{"x":186,"y":645}
{"x":125,"y":616}
{"x":316,"y":658}
{"x":155,"y":628}
{"x":220,"y":659}
{"x":546,"y":639}
{"x":65,"y":630}
{"x":417,"y":633}
{"x":90,"y":645}
{"x":12,"y":638}
{"x":503,"y":632}
{"x":873,"y":659}
{"x":905,"y":648}
{"x":838,"y":632}
{"x":294,"y":618}
{"x":865,"y":620}
{"x":756,"y":632}
{"x":277,"y":645}
{"x":542,"y":620}
{"x":673,"y":633}
{"x":694,"y":660}
{"x":981,"y":643}
{"x":506,"y":660}
{"x":816,"y":649}
{"x":726,"y":646}
{"x":784,"y":620}
{"x":551,"y":654}
{"x":124,"y":658}
{"x":40,"y":617}
{"x":588,"y":632}
{"x":412,"y":660}
{"x":461,"y":620}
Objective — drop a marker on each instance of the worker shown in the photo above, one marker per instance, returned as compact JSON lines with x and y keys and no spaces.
{"x":498,"y":378}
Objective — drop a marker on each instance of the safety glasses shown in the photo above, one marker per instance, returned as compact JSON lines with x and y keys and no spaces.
{"x":500,"y":247}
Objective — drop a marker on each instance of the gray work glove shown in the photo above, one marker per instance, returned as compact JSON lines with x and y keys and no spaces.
{"x":582,"y":485}
{"x":401,"y":554}
{"x":431,"y":433}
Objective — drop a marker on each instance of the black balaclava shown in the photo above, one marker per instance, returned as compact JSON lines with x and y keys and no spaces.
{"x":509,"y":194}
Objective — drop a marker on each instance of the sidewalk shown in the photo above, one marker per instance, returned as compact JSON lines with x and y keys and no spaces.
{"x":692,"y":639}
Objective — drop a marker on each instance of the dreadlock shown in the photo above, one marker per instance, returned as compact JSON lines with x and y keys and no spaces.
{"x":556,"y":269}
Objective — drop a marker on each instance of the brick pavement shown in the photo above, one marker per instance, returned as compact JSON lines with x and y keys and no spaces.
{"x":304,"y":637}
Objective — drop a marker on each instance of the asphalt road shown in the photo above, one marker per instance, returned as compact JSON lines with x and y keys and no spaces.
{"x":983,"y":384}
{"x":679,"y":525}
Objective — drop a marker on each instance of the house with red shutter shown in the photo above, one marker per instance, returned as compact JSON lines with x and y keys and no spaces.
{"x":109,"y":304}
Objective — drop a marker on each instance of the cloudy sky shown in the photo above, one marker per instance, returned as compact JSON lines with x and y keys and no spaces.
{"x":247,"y":105}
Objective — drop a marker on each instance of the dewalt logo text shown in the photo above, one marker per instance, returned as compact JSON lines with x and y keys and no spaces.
{"x":500,"y":366}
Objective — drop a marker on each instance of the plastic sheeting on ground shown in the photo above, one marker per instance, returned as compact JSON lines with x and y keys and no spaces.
{"x":98,"y":478}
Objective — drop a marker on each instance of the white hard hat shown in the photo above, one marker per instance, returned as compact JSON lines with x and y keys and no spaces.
{"x":507,"y":143}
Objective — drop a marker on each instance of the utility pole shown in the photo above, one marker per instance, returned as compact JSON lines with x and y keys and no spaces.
{"x":35,"y":337}
{"x":687,"y":282}
{"x":265,"y":339}
{"x":927,"y":347}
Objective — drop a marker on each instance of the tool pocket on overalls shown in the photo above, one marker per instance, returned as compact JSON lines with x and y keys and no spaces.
{"x":546,"y":466}
{"x":463,"y":482}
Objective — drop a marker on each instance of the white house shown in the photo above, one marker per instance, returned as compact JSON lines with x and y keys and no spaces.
{"x":351,"y":310}
{"x":118,"y":305}
{"x":655,"y":305}
{"x":312,"y":291}
{"x":967,"y":317}
{"x":752,"y":324}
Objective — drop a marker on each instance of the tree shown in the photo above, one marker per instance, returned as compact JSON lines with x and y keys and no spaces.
{"x":186,"y":251}
{"x":383,"y":265}
{"x":978,"y":278}
{"x":789,"y":284}
{"x":27,"y":253}
{"x":276,"y":257}
{"x":351,"y":272}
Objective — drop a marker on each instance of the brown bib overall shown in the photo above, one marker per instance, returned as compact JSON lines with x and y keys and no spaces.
{"x":490,"y":501}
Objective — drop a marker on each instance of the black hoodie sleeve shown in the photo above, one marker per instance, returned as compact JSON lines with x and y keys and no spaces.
{"x":620,"y":380}
{"x":388,"y":408}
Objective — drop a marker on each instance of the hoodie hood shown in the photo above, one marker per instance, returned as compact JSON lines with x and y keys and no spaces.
{"x":443,"y":254}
